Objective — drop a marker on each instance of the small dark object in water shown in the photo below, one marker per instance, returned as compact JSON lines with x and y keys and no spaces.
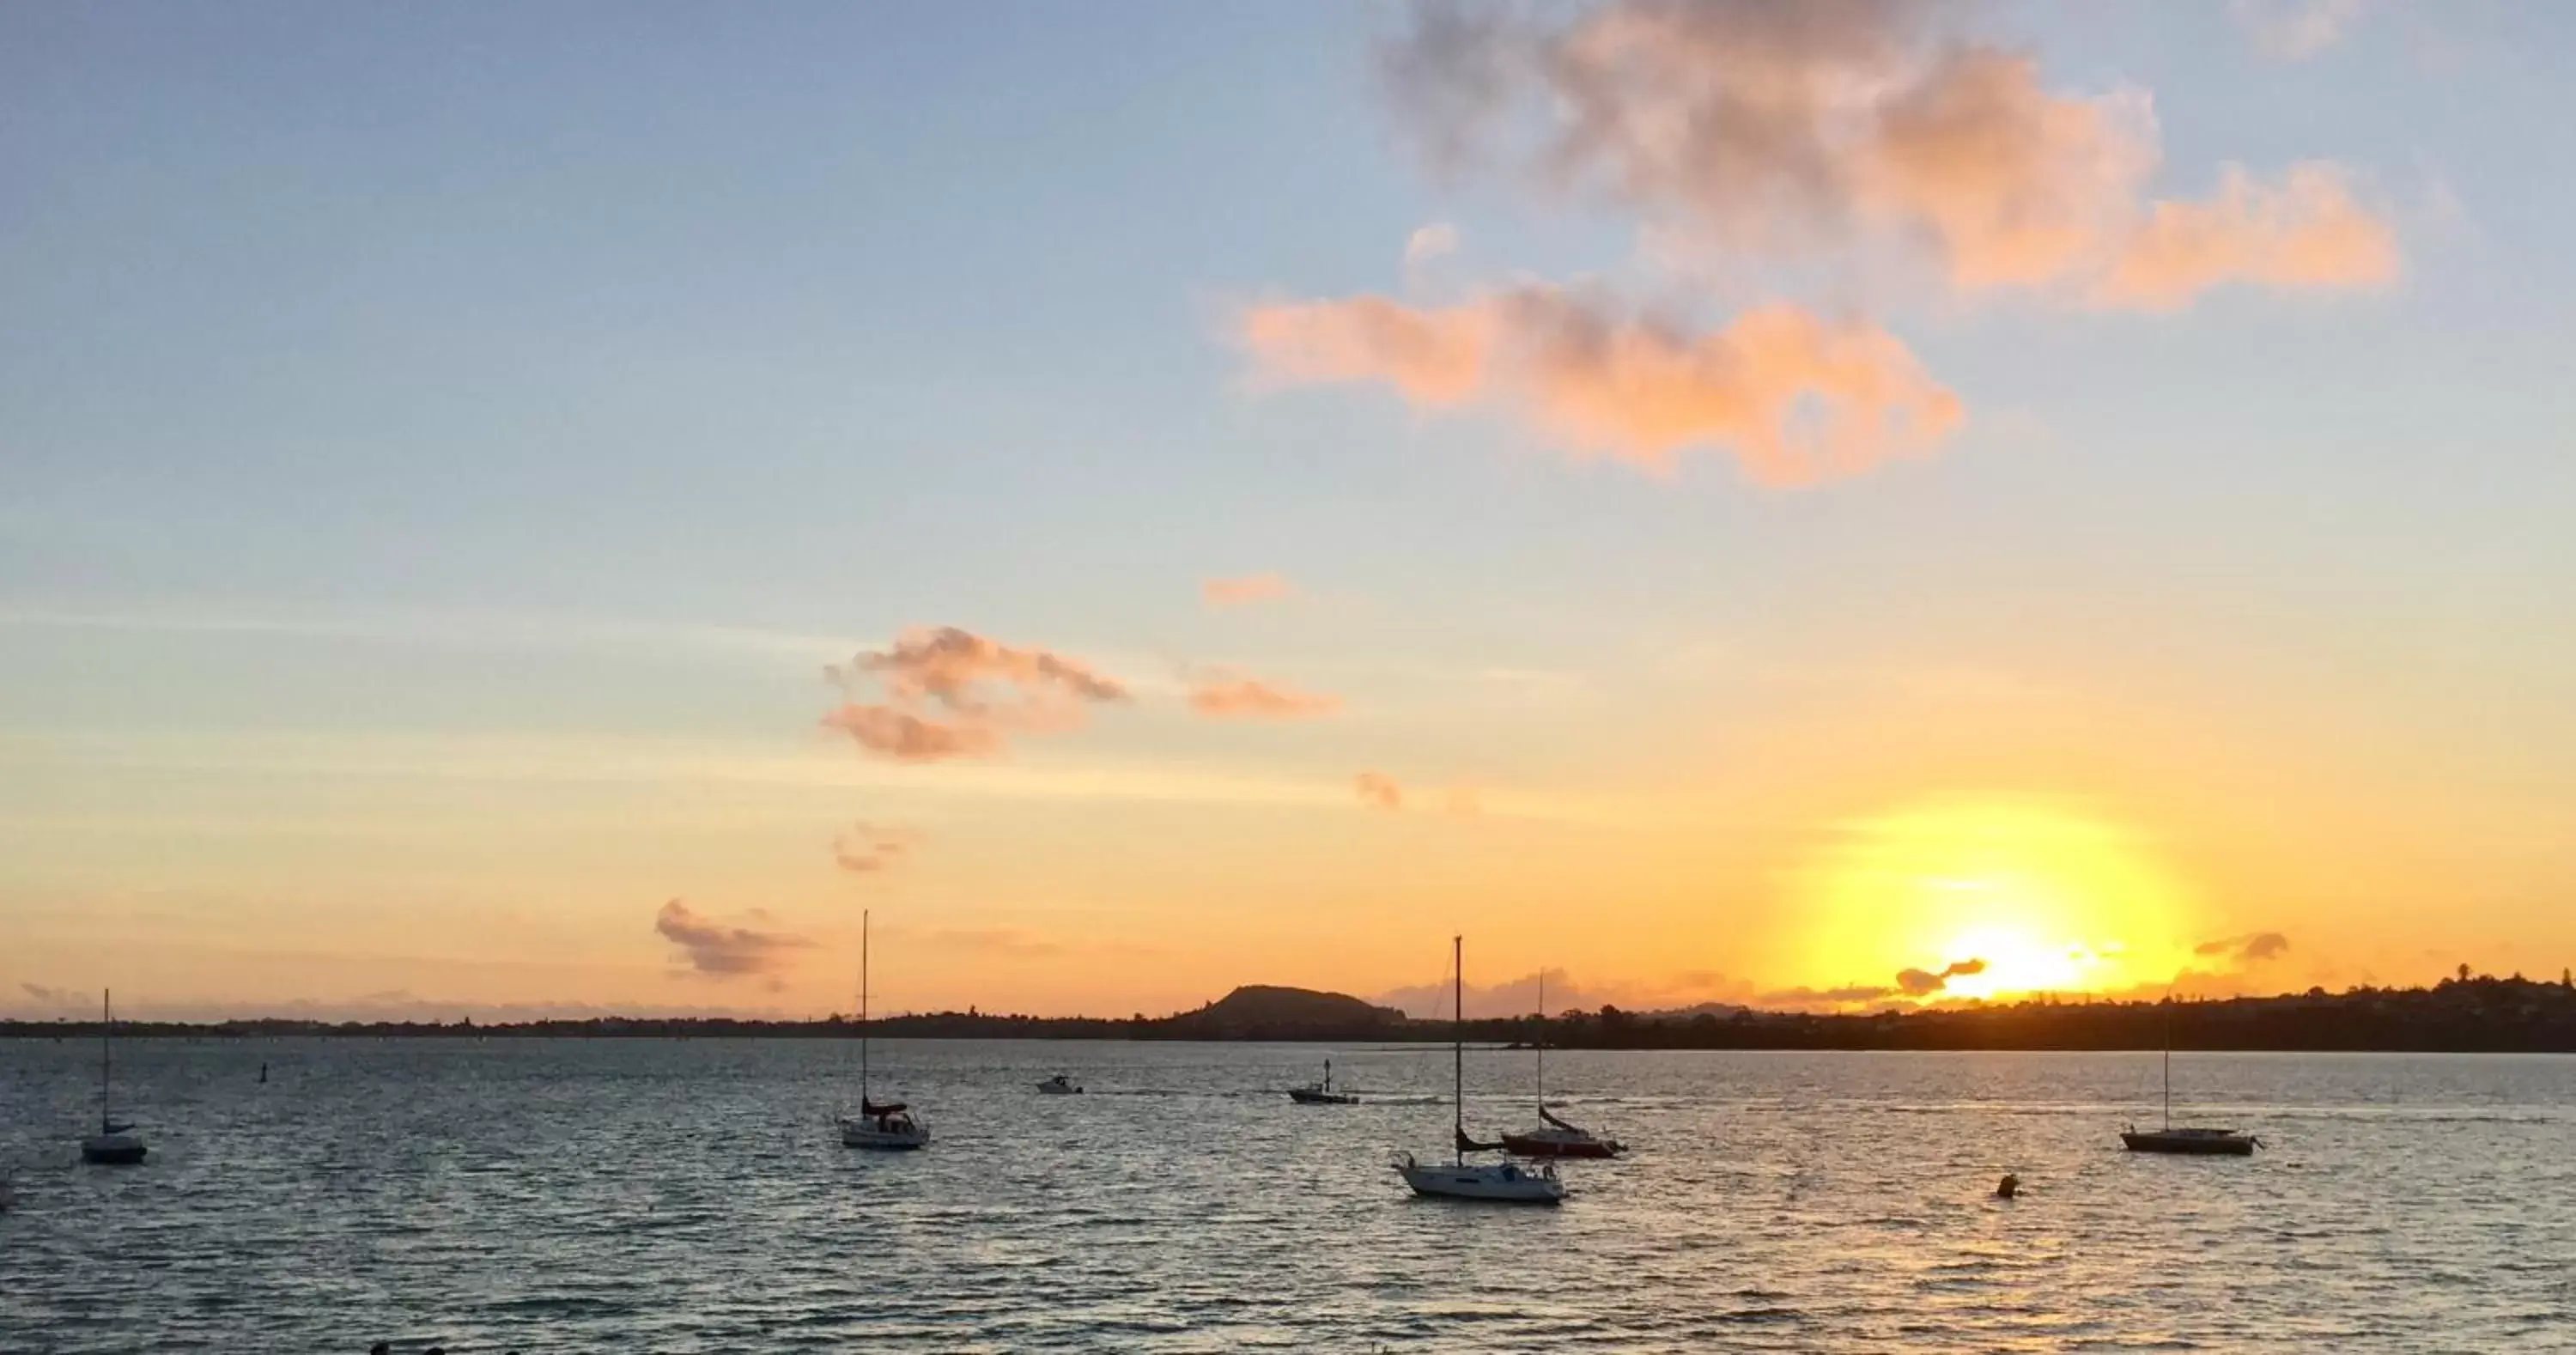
{"x":263,"y":1072}
{"x":2007,"y":1187}
{"x":380,"y":1348}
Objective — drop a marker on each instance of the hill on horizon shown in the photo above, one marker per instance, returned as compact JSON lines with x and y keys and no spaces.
{"x":1254,"y":1010}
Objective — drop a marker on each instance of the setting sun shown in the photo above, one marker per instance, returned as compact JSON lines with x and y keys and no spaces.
{"x":1978,"y":898}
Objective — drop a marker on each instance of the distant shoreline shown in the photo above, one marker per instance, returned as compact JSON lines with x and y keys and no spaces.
{"x":2480,"y":1015}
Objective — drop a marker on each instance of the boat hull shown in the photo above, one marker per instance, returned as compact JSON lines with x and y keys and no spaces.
{"x":2205,"y":1143}
{"x":112,"y":1150}
{"x":1526,"y":1146}
{"x":859,"y":1134}
{"x":1308,"y":1096}
{"x":1505,"y":1184}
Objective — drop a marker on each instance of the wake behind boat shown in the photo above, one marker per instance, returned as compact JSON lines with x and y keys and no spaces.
{"x":1459,"y":1179}
{"x":887,"y":1126}
{"x":114,"y":1145}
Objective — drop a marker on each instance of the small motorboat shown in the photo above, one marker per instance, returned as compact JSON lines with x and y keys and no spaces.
{"x":1060,"y":1085}
{"x":1322,"y":1093}
{"x":2191,"y":1141}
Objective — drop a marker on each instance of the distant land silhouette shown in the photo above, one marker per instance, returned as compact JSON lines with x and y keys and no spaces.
{"x":2460,"y":1015}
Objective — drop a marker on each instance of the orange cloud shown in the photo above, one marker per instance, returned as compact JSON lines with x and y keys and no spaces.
{"x":1751,"y":127}
{"x":2306,"y":233}
{"x":1248,"y":588}
{"x":1796,"y":399}
{"x":1221,"y":694}
{"x":941,"y":698}
{"x":1379,"y":791}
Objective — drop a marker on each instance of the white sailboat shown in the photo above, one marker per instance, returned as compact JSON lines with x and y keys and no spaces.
{"x":114,"y":1145}
{"x":1555,"y":1137}
{"x":1459,"y":1179}
{"x":888,"y":1126}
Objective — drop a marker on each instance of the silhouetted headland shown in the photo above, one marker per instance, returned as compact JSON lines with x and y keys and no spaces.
{"x":2474,"y":1015}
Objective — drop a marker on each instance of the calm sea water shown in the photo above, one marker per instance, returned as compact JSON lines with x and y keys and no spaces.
{"x":690,"y":1196}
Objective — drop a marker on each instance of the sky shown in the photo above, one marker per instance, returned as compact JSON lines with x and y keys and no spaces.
{"x":510,"y":510}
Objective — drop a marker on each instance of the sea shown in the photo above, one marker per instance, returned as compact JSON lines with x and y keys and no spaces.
{"x":498,"y":1194}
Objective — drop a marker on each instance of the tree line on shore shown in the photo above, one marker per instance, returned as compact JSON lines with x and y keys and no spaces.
{"x":2464,"y":1014}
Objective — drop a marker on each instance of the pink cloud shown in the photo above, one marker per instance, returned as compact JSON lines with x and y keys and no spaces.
{"x":1248,"y":588}
{"x":951,"y":693}
{"x":1222,"y":694}
{"x":1753,"y":128}
{"x":1796,"y":399}
{"x":1379,"y":791}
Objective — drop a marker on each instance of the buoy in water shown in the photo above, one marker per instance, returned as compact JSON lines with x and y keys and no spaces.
{"x":2006,"y":1188}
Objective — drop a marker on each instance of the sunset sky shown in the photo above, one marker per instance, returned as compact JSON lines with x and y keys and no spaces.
{"x":560,"y":507}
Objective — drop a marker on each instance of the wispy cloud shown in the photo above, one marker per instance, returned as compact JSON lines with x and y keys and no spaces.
{"x":2251,"y":948}
{"x":1924,"y":982}
{"x":2294,"y":30}
{"x":1244,"y":589}
{"x":870,"y":848}
{"x":1224,"y":694}
{"x":398,"y":626}
{"x":949,"y":693}
{"x":717,"y":951}
{"x":1430,"y":242}
{"x":1378,"y":791}
{"x":1755,"y":129}
{"x":1796,"y":399}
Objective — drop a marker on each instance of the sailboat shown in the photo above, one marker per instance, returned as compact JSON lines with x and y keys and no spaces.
{"x":1322,"y":1093}
{"x":1555,"y":1137}
{"x":1459,"y":1179}
{"x":887,"y":1127}
{"x":2196,"y":1141}
{"x":114,"y":1145}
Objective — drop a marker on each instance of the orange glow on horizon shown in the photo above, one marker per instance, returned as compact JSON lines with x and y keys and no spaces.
{"x":1988,"y":898}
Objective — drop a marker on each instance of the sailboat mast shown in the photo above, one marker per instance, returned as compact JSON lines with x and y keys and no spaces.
{"x":106,"y":1043}
{"x":1542,"y":1038}
{"x":2168,"y":1060}
{"x":863,"y":1011}
{"x":1458,"y":1046}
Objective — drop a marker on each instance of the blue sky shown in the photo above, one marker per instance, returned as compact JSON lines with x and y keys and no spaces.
{"x":386,"y":380}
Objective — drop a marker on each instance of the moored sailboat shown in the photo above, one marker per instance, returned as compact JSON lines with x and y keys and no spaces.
{"x":114,"y":1145}
{"x":1459,"y":1179}
{"x":886,"y":1126}
{"x":2189,"y":1140}
{"x":1555,"y":1137}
